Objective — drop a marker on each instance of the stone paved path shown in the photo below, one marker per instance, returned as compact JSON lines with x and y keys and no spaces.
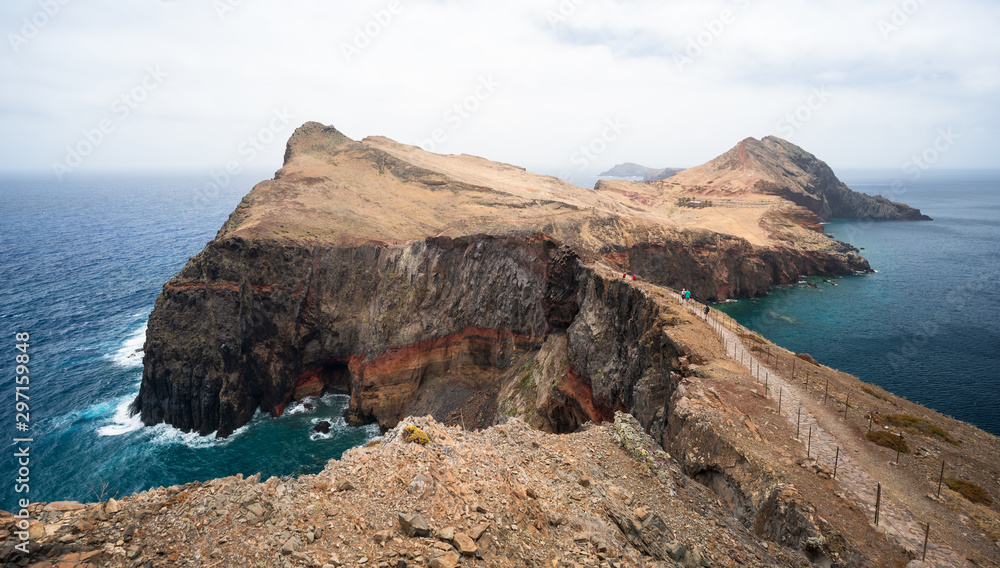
{"x":855,"y":481}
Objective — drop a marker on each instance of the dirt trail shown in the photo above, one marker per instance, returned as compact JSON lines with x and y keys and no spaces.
{"x":857,"y":483}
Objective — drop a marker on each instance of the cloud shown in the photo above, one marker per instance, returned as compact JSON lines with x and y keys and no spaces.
{"x":690,"y":79}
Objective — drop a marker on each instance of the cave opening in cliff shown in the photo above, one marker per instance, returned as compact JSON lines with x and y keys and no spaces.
{"x":332,"y":377}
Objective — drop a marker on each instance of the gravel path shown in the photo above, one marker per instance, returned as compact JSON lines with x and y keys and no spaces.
{"x":855,"y":481}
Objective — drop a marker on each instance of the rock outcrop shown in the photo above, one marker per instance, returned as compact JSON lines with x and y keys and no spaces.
{"x":777,"y":167}
{"x":503,"y":497}
{"x":420,"y":283}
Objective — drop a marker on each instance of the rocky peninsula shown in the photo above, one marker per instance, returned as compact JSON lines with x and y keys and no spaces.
{"x":620,"y":426}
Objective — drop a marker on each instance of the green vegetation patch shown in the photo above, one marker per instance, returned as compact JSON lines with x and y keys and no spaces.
{"x":527,"y":375}
{"x":970,"y":491}
{"x":914,"y":424}
{"x":413,"y":434}
{"x":873,"y":393}
{"x":888,"y":440}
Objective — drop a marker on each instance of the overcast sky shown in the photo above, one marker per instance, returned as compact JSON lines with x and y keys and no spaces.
{"x":560,"y":87}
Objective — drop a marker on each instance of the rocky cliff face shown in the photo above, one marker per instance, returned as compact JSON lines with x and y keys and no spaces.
{"x":306,"y":290}
{"x":473,"y":291}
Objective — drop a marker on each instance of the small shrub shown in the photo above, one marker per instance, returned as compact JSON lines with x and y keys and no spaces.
{"x":373,"y":444}
{"x":914,"y":424}
{"x":807,"y":358}
{"x":413,"y":434}
{"x":873,"y":393}
{"x":970,"y":491}
{"x":752,"y":337}
{"x":888,"y":440}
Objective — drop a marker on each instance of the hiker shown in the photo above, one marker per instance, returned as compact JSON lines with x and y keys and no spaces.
{"x":624,"y":274}
{"x":706,"y":311}
{"x":687,"y":295}
{"x":634,"y":277}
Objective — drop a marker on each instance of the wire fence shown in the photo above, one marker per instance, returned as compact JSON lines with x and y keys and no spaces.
{"x":794,"y":384}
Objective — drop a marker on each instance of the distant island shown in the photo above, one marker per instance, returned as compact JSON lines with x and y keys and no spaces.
{"x":633,"y":170}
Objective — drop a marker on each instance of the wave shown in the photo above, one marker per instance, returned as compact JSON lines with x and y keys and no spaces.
{"x":130,"y":353}
{"x":122,"y":422}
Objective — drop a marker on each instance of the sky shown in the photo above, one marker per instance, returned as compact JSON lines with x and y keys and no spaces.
{"x":562,"y":87}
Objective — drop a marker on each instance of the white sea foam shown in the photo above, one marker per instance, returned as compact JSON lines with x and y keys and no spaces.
{"x":130,"y":353}
{"x":121,"y":422}
{"x":165,"y":434}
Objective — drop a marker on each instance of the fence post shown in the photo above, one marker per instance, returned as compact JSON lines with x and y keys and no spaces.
{"x":899,"y":446}
{"x":927,"y":534}
{"x":781,"y":391}
{"x":847,"y":404}
{"x":798,"y":421}
{"x":827,"y":391}
{"x":809,"y":445}
{"x":941,"y":478}
{"x":836,"y":462}
{"x":878,"y":501}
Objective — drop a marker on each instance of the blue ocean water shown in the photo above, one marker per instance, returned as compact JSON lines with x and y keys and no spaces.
{"x":926,"y":325}
{"x":81,"y":264}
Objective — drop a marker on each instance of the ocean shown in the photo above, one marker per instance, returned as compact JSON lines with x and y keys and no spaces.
{"x":81,"y":264}
{"x":83,"y":260}
{"x":926,"y":324}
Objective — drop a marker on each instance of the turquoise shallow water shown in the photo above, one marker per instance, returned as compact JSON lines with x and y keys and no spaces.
{"x":926,"y":325}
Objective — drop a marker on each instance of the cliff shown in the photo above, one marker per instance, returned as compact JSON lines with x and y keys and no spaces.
{"x":772,"y":166}
{"x":341,"y":274}
{"x":474,"y":291}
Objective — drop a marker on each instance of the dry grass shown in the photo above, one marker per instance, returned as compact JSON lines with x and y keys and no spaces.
{"x":888,"y":440}
{"x":914,"y":424}
{"x":807,"y":358}
{"x":970,"y":491}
